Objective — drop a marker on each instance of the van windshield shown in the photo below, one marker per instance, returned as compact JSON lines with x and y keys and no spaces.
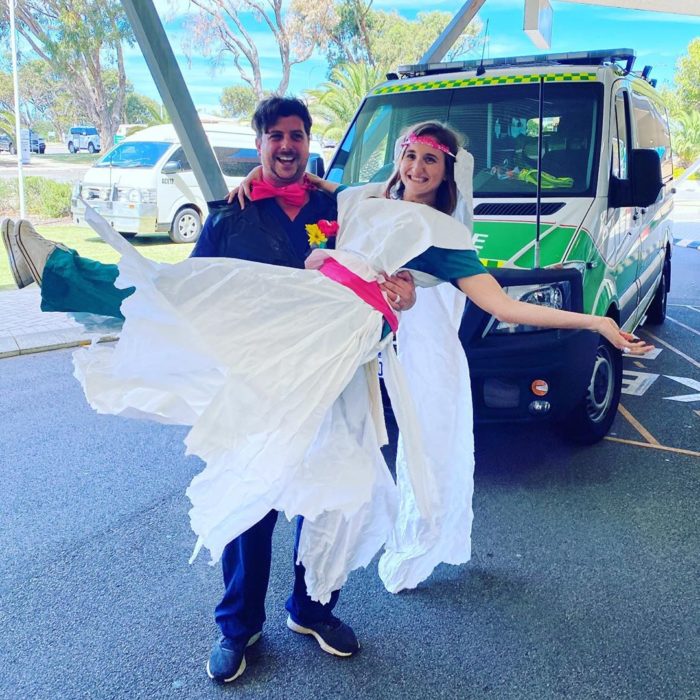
{"x":499,"y":125}
{"x":134,"y":154}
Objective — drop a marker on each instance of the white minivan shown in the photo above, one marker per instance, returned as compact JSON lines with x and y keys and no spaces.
{"x":145,"y":183}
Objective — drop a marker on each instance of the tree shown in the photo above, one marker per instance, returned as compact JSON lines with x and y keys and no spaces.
{"x":141,"y":109}
{"x":686,"y":135}
{"x":336,"y":101}
{"x":78,"y":39}
{"x":349,"y":31}
{"x":686,"y":78}
{"x":238,"y":101}
{"x":218,"y":30}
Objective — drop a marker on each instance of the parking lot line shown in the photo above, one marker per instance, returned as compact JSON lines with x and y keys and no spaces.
{"x":693,"y":362}
{"x":638,"y":443}
{"x":637,"y":426}
{"x":688,"y":328}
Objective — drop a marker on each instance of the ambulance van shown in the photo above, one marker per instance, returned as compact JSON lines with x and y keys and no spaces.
{"x":572,"y":203}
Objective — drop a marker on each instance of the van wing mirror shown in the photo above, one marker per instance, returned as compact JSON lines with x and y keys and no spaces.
{"x":316,"y":167}
{"x":645,"y":177}
{"x":642,"y":187}
{"x":172,"y":167}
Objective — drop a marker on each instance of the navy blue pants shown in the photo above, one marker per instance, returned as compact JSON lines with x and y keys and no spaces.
{"x":246,"y":568}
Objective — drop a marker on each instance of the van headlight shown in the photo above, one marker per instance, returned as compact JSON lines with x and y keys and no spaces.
{"x":556,"y":295}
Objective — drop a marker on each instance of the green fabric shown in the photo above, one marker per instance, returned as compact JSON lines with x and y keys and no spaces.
{"x":448,"y":265}
{"x":72,"y":283}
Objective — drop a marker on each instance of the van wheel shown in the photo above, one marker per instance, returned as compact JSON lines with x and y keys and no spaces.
{"x":656,"y":314}
{"x":13,"y":150}
{"x":91,"y":147}
{"x":591,"y":419}
{"x":71,"y":147}
{"x":186,"y":227}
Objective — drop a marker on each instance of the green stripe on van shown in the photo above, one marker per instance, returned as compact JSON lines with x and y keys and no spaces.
{"x":478,"y":82}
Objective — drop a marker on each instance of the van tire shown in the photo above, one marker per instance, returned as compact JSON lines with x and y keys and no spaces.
{"x":591,"y":418}
{"x":13,"y":150}
{"x":186,"y":226}
{"x":91,"y":147}
{"x":656,"y":314}
{"x":71,"y":147}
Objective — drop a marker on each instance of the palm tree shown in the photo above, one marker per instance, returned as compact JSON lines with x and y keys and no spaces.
{"x":335,"y":102}
{"x":686,"y":135}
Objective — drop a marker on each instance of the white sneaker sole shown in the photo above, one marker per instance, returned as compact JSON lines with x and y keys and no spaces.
{"x":321,"y":642}
{"x":241,"y":668}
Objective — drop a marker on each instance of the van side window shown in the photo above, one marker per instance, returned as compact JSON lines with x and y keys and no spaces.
{"x":651,"y":130}
{"x":236,"y":162}
{"x":619,"y":138}
{"x":180,"y":157}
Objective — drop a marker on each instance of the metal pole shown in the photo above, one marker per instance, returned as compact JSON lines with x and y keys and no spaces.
{"x":18,"y":126}
{"x":538,"y":205}
{"x":452,"y":31}
{"x":175,"y":96}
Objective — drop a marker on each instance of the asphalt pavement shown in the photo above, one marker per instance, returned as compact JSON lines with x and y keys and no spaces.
{"x":582,"y":585}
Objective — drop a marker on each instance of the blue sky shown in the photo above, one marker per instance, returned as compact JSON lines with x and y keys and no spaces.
{"x":658,"y":39}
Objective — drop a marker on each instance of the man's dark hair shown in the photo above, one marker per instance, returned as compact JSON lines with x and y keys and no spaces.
{"x":271,"y":109}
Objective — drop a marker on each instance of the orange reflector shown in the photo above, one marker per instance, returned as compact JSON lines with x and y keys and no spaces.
{"x":539,"y":387}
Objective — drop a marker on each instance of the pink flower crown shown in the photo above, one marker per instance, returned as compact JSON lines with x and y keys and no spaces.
{"x":426,"y":141}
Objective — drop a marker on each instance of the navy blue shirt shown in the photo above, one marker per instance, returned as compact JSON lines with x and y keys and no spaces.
{"x":262,"y":232}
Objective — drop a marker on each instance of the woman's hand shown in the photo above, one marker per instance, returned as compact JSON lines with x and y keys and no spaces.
{"x":320,"y":184}
{"x":626,"y":342}
{"x":244,"y":189}
{"x":400,"y":290}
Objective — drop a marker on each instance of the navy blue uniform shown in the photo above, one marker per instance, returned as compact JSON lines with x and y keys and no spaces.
{"x":261,"y":232}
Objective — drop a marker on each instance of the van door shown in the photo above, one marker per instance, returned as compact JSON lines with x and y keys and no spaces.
{"x":623,"y":221}
{"x":173,"y":187}
{"x":648,"y":125}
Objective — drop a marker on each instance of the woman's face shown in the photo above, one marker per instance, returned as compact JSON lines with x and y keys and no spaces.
{"x":422,"y":170}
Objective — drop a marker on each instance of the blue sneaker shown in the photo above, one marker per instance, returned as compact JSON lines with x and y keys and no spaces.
{"x":227,"y":659}
{"x":333,"y":636}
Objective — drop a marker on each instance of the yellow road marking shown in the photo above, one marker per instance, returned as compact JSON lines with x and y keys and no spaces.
{"x":688,"y":328}
{"x":637,"y":363}
{"x":672,"y":349}
{"x":637,"y":426}
{"x":637,"y":443}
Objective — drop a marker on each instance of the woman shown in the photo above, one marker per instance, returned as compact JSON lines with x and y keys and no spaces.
{"x":273,"y":369}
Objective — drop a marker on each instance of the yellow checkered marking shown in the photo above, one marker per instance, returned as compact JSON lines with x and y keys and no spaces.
{"x":492,"y":263}
{"x":471,"y":82}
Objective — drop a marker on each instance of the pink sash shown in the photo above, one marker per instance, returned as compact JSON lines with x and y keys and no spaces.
{"x":369,"y":292}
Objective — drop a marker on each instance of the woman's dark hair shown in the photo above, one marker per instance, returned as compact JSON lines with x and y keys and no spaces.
{"x":446,"y":197}
{"x":271,"y":109}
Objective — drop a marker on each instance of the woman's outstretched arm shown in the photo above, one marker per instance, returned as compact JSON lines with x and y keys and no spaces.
{"x":487,"y":294}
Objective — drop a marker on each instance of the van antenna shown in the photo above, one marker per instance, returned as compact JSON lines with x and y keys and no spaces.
{"x":481,"y":70}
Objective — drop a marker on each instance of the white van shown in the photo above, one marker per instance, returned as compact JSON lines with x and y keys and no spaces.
{"x":145,"y":183}
{"x":573,"y":184}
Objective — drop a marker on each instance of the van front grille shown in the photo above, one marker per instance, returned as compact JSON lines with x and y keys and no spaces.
{"x":516,"y":208}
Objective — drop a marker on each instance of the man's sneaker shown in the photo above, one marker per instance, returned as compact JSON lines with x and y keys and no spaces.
{"x":227,"y":659}
{"x":18,"y":265}
{"x":35,"y":249}
{"x":334,"y":636}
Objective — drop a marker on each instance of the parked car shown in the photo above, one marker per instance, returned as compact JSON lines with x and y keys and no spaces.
{"x":36,"y":143}
{"x":83,"y":138}
{"x":592,"y":233}
{"x":7,"y":144}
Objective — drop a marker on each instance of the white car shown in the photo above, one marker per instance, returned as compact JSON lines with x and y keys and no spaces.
{"x":83,"y":138}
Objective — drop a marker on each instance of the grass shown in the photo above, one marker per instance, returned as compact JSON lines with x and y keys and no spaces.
{"x":154,"y":246}
{"x":81,"y":158}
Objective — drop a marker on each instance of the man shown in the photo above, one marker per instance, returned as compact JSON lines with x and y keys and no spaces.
{"x":271,"y":230}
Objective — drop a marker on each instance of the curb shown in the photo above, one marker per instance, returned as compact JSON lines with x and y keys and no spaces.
{"x":33,"y":343}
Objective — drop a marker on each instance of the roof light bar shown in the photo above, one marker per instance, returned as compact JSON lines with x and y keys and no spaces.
{"x":574,"y":57}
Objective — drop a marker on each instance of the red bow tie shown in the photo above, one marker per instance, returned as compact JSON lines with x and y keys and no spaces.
{"x":293,"y":195}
